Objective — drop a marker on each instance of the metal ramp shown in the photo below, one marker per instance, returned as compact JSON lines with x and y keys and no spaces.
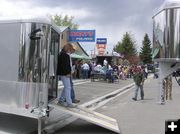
{"x":91,"y":116}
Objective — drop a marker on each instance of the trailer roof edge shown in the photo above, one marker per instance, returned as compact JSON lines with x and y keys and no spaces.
{"x":168,"y":4}
{"x":42,"y":20}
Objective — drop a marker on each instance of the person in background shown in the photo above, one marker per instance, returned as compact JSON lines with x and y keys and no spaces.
{"x":109,"y":75}
{"x":90,"y":69}
{"x":139,"y":82}
{"x":105,"y":62}
{"x":85,"y":68}
{"x":79,"y":69}
{"x":64,"y":71}
{"x":73,"y":97}
{"x":145,"y":71}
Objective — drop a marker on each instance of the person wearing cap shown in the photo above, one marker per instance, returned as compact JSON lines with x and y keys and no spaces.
{"x":64,"y":71}
{"x":139,"y":82}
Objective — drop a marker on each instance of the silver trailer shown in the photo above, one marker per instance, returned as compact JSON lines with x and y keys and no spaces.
{"x":28,"y":81}
{"x":166,"y":40}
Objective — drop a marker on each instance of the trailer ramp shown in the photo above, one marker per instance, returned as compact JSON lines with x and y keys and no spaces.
{"x":91,"y":116}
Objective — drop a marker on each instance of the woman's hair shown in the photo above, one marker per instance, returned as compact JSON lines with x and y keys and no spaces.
{"x":67,"y":46}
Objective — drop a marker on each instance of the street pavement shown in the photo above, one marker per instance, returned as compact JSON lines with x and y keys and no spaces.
{"x":134,"y":117}
{"x":85,"y":91}
{"x":92,"y":90}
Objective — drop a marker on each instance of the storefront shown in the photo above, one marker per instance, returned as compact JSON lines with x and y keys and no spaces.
{"x":80,"y":53}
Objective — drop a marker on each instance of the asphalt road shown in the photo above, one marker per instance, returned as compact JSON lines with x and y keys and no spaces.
{"x":134,"y":117}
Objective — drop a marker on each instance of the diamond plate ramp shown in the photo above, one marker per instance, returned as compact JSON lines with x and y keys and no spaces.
{"x":91,"y":116}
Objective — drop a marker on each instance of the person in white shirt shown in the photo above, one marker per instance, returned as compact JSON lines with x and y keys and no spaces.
{"x":85,"y":68}
{"x":105,"y":62}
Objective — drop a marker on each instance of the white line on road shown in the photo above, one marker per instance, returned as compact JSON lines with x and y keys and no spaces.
{"x":76,"y":83}
{"x":98,"y":102}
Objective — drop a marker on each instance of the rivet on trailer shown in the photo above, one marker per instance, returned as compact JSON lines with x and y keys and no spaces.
{"x":28,"y":81}
{"x":166,"y":43}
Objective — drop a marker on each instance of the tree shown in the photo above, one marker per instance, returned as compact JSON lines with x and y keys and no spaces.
{"x":127,"y":47}
{"x":65,"y":21}
{"x":145,"y":53}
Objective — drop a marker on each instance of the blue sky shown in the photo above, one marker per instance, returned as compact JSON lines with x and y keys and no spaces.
{"x":110,"y":18}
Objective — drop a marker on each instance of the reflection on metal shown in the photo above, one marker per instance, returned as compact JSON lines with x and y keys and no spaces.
{"x":20,"y":98}
{"x":166,"y":34}
{"x":166,"y":37}
{"x":168,"y":4}
{"x":91,"y":116}
{"x":155,"y":52}
{"x":29,"y":50}
{"x":33,"y":54}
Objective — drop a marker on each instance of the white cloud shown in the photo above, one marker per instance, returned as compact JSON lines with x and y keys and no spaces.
{"x":24,"y":9}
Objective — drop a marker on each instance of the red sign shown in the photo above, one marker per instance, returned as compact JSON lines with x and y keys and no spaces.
{"x":101,"y":51}
{"x":99,"y":46}
{"x":82,"y":36}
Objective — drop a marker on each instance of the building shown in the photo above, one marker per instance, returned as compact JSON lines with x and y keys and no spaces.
{"x":80,"y":53}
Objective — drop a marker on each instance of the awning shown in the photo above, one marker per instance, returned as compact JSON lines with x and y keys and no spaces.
{"x":77,"y":56}
{"x":155,"y":52}
{"x":87,"y":57}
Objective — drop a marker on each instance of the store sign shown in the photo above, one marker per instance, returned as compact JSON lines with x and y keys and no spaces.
{"x":101,"y":41}
{"x":101,"y":51}
{"x":101,"y":46}
{"x":82,"y":35}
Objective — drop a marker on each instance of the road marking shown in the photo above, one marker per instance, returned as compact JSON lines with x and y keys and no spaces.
{"x":98,"y":102}
{"x":75,"y":83}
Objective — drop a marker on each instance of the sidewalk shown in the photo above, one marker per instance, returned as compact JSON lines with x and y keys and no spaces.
{"x":144,"y":116}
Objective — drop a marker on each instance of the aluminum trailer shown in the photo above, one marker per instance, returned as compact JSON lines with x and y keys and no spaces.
{"x":166,"y":41}
{"x":28,"y":58}
{"x":28,"y":81}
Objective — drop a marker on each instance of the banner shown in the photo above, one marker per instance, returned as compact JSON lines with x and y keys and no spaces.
{"x":101,"y":51}
{"x":82,"y":35}
{"x":101,"y":41}
{"x":101,"y":45}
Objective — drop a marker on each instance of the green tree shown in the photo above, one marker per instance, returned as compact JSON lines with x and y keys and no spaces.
{"x":65,"y":21}
{"x":127,"y":46}
{"x":145,"y":53}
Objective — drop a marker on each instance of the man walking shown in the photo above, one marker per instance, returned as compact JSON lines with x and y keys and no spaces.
{"x":139,"y":82}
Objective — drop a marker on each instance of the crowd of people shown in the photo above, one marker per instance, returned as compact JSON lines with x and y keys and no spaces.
{"x":69,"y":69}
{"x":83,"y":69}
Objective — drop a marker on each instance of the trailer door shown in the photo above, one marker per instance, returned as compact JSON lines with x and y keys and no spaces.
{"x":53,"y":59}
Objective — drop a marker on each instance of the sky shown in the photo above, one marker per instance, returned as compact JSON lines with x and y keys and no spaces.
{"x":110,"y":18}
